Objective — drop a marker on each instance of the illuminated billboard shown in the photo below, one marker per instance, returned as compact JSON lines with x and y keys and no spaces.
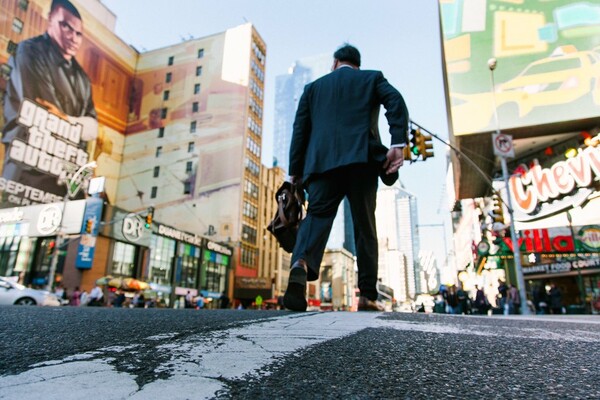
{"x":548,"y":62}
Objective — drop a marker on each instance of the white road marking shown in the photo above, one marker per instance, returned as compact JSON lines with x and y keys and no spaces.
{"x":196,"y":361}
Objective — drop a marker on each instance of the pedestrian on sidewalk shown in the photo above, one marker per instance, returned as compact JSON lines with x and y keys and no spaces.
{"x":336,"y":153}
{"x":514,"y":300}
{"x":540,"y":298}
{"x":555,"y":299}
{"x":502,"y":296}
{"x":481,"y":302}
{"x":96,"y":297}
{"x":75,"y":297}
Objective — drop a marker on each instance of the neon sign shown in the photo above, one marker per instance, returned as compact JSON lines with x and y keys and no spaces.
{"x":540,"y":192}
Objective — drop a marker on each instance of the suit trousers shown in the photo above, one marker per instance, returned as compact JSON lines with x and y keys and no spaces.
{"x":357,"y":182}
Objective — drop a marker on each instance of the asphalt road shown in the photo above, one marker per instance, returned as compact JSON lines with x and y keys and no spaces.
{"x":73,"y":353}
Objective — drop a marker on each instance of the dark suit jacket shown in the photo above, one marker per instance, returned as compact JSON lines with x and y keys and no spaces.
{"x":336,"y":121}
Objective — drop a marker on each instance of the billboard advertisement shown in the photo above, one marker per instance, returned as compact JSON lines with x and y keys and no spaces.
{"x":65,"y":80}
{"x":548,"y":62}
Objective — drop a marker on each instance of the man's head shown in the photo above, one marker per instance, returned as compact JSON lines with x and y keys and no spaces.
{"x":346,"y":54}
{"x":65,"y":27}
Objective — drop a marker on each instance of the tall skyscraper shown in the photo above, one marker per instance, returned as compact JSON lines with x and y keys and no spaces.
{"x":397,"y":231}
{"x":288,"y":89}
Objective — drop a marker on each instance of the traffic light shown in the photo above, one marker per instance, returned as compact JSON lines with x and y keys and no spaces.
{"x":50,"y":248}
{"x":414,"y":142}
{"x":497,"y":213}
{"x":424,"y":145}
{"x":149,"y":217}
{"x":89,"y":225}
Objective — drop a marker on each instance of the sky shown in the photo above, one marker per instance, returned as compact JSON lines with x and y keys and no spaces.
{"x":399,"y":37}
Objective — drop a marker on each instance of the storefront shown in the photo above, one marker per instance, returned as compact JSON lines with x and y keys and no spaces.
{"x":182,"y":262}
{"x":28,"y":240}
{"x":215,"y":271}
{"x":248,"y":289}
{"x":556,"y":206}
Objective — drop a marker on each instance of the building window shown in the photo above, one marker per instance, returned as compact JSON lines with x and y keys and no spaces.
{"x":5,"y":71}
{"x":24,"y":4}
{"x":187,"y":187}
{"x":123,"y":260}
{"x":200,"y":53}
{"x":156,"y":171}
{"x":11,"y":47}
{"x":171,"y":59}
{"x":17,"y":25}
{"x":199,"y":70}
{"x":249,"y":234}
{"x":193,"y":127}
{"x":188,"y":167}
{"x":168,"y":77}
{"x":153,"y":192}
{"x":158,"y":151}
{"x":163,"y":113}
{"x":197,"y":88}
{"x":166,"y":94}
{"x":190,"y":147}
{"x":195,"y":106}
{"x":161,"y":132}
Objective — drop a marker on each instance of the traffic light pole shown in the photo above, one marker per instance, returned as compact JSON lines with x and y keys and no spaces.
{"x":513,"y":233}
{"x":515,"y":242}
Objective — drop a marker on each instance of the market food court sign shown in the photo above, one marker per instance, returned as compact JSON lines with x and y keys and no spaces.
{"x":541,"y":192}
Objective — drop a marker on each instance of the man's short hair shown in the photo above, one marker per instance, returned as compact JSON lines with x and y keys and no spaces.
{"x":67,"y":5}
{"x":348,"y":53}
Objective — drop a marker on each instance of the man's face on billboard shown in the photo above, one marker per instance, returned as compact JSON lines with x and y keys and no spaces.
{"x":67,"y":31}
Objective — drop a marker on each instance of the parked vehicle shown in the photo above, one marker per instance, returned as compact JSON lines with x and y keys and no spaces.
{"x":14,"y":293}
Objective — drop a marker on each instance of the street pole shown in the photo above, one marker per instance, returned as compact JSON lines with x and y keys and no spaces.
{"x":60,"y":234}
{"x":513,"y":233}
{"x":580,"y":278}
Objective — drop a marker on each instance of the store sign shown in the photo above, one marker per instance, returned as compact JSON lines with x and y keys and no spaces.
{"x":127,"y":227}
{"x":12,"y":215}
{"x":42,"y":219}
{"x":590,"y":238}
{"x":541,"y":192}
{"x":181,"y":236}
{"x":242,"y":282}
{"x":219,"y":248}
{"x":562,"y":266}
{"x":540,"y":241}
{"x":133,"y":228}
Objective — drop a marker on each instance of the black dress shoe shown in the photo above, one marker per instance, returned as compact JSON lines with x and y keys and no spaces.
{"x":365,"y":304}
{"x":294,"y":298}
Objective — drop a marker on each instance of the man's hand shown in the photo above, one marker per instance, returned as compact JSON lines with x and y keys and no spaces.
{"x":394,"y":160}
{"x":52,"y":108}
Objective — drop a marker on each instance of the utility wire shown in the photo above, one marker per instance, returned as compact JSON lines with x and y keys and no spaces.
{"x":463,"y":156}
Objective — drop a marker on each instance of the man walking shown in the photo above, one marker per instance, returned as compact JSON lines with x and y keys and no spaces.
{"x":336,"y":152}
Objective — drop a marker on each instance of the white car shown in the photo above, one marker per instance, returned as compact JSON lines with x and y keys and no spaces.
{"x":14,"y":293}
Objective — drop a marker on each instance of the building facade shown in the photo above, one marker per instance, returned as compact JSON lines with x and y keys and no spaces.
{"x":178,"y":144}
{"x":542,"y":97}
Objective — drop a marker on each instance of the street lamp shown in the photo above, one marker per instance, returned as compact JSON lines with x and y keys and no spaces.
{"x":492,"y":63}
{"x":59,"y":236}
